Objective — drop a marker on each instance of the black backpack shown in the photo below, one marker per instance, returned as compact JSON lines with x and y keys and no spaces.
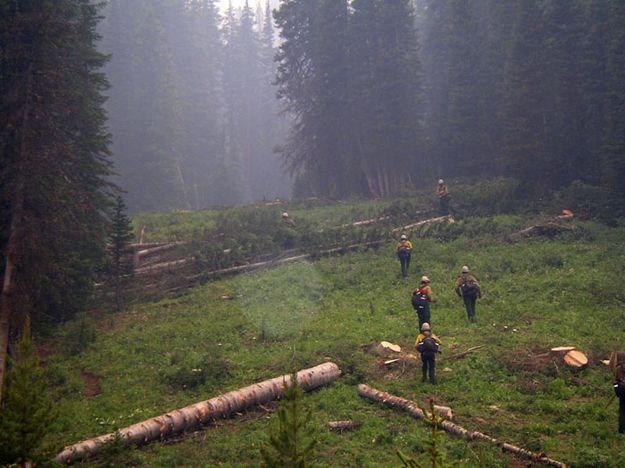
{"x":418,"y":299}
{"x":429,"y":344}
{"x":403,"y":252}
{"x":470,"y":288}
{"x":619,"y":389}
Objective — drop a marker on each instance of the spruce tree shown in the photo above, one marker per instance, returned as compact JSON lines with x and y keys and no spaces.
{"x":55,"y":160}
{"x":292,"y":442}
{"x":120,"y":235}
{"x":26,"y":409}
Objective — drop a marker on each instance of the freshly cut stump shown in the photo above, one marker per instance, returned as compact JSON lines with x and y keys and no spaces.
{"x":576,"y":359}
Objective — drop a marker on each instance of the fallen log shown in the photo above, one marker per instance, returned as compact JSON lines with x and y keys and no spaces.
{"x":540,"y":230}
{"x":561,"y":350}
{"x":162,"y":266}
{"x":195,"y":415}
{"x":438,"y":219}
{"x":576,"y":359}
{"x":346,"y":425}
{"x":158,"y":249}
{"x":413,"y":409}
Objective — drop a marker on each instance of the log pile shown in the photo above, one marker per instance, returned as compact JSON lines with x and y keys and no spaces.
{"x":413,"y":409}
{"x":193,"y":416}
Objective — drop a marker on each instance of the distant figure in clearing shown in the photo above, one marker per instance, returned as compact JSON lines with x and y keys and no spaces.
{"x":403,"y":251}
{"x":421,"y":298}
{"x":286,"y":219}
{"x":469,"y":290}
{"x":289,"y":232}
{"x":442,"y":191}
{"x":427,"y":345}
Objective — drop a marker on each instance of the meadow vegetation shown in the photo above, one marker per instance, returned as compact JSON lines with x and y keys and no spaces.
{"x":538,"y":293}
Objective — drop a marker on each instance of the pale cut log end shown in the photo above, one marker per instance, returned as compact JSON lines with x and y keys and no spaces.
{"x":576,"y":359}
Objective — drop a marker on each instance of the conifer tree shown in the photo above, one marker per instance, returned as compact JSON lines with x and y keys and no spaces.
{"x":291,"y":444}
{"x":55,"y":160}
{"x":26,"y":409}
{"x":120,"y":235}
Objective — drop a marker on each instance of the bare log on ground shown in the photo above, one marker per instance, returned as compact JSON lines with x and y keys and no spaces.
{"x":149,"y":245}
{"x":162,"y":266}
{"x":158,"y":249}
{"x":195,"y":415}
{"x":541,"y":230}
{"x":561,"y":350}
{"x":413,"y":409}
{"x":346,"y":425}
{"x":576,"y":359}
{"x":438,"y":219}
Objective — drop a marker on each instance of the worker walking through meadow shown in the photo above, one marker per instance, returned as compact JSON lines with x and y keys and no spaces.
{"x":427,"y":345}
{"x":468,"y":288}
{"x":421,"y":298}
{"x":403,"y":250}
{"x":442,"y":191}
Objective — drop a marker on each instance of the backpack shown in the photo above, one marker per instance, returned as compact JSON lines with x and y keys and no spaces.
{"x":403,"y":252}
{"x":429,"y":344}
{"x":619,"y":389}
{"x":418,"y":298}
{"x":470,"y":288}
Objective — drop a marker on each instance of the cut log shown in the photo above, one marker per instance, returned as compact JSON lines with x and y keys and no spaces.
{"x":413,"y":409}
{"x":346,"y":425}
{"x":154,"y":250}
{"x":391,"y":346}
{"x":576,"y":359}
{"x":561,"y":350}
{"x":192,"y":416}
{"x":444,"y":411}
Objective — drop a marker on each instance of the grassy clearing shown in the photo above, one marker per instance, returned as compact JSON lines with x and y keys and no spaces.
{"x":553,"y":292}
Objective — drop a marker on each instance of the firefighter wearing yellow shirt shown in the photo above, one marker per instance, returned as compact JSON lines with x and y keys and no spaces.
{"x":421,"y":298}
{"x":403,"y":251}
{"x":427,"y":344}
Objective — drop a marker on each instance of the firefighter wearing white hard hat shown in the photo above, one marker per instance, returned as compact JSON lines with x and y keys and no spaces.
{"x":421,"y":299}
{"x":468,"y":288}
{"x":442,"y":192}
{"x":427,"y":344}
{"x":403,"y":250}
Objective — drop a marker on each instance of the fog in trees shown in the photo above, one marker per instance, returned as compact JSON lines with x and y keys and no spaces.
{"x":224,"y":102}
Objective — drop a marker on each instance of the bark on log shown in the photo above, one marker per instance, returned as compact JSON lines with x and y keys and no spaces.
{"x":346,"y":425}
{"x":162,"y":266}
{"x":576,"y":359}
{"x":413,"y":409}
{"x":195,"y":415}
{"x":547,"y":230}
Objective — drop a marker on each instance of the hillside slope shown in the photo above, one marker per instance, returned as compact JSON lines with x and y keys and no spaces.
{"x":225,"y":334}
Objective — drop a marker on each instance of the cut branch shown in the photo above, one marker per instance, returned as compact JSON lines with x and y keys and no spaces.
{"x":341,"y":426}
{"x":413,"y":409}
{"x":195,"y":415}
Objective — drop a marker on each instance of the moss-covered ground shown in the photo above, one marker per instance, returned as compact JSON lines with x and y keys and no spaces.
{"x":538,"y":294}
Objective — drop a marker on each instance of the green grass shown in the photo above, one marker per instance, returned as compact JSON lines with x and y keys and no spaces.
{"x":565,"y":291}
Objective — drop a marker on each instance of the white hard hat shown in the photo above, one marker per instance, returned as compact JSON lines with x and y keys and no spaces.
{"x":465,"y":269}
{"x":441,"y":181}
{"x":403,"y":237}
{"x":425,"y":327}
{"x":425,"y":279}
{"x":285,"y":215}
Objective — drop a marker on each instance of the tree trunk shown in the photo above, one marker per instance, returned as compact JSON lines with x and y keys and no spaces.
{"x":12,"y":252}
{"x":413,"y":409}
{"x":195,"y":415}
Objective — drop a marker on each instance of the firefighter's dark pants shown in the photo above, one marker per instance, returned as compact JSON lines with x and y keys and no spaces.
{"x":423,"y":311}
{"x":469,"y":303}
{"x":429,"y":364}
{"x":404,"y":260}
{"x":621,"y":415}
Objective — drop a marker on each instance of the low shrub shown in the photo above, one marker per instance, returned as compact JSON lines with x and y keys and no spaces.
{"x":79,"y":335}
